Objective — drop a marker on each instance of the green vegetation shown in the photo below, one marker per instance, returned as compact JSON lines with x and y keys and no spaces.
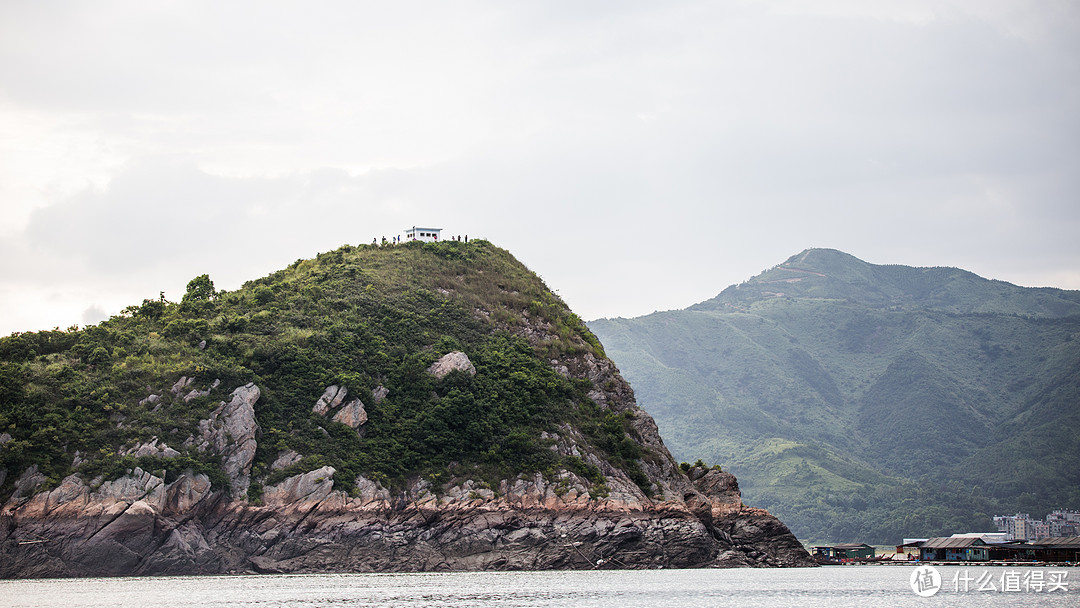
{"x":361,"y":317}
{"x":868,"y":403}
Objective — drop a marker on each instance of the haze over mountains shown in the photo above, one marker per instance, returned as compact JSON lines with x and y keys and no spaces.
{"x":867,"y":402}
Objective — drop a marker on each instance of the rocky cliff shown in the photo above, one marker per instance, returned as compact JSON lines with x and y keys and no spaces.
{"x":138,"y":524}
{"x":582,"y":481}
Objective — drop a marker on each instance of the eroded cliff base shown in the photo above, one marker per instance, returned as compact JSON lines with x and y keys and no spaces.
{"x":140,"y":526}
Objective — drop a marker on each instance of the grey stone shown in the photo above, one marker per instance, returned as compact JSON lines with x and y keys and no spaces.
{"x":28,"y":482}
{"x":352,"y":414}
{"x":230,"y":431}
{"x":380,"y":393}
{"x":313,"y":486}
{"x":181,"y":384}
{"x":331,"y":398}
{"x":449,"y":362}
{"x":151,"y":448}
{"x":185,"y":493}
{"x":285,"y":459}
{"x":195,"y":393}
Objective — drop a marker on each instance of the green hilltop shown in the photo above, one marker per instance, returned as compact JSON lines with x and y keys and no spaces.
{"x":863,"y":402}
{"x":369,"y":318}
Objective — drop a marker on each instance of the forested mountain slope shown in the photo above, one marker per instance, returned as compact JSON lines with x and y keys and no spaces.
{"x":866,"y":402}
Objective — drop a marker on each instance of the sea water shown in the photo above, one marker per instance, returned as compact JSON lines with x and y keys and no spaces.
{"x":832,"y":586}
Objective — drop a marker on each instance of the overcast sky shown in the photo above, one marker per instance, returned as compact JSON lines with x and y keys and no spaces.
{"x":639,"y":156}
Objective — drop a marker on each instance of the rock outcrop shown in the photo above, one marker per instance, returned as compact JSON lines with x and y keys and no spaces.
{"x":230,"y":431}
{"x":351,"y":414}
{"x":152,"y":448}
{"x":141,"y":525}
{"x":331,"y":398}
{"x":453,"y":361}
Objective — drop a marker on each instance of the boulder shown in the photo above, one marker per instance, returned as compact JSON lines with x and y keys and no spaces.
{"x":195,"y":393}
{"x":286,"y":458}
{"x":380,"y":393}
{"x":151,"y":448}
{"x":331,"y":398}
{"x":720,"y":488}
{"x":312,"y":486}
{"x":181,"y":384}
{"x":449,"y":362}
{"x":352,"y":414}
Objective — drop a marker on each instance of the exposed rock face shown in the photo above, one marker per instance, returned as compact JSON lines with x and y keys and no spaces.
{"x":196,"y":393}
{"x":152,"y":448}
{"x":230,"y":431}
{"x":181,"y":384}
{"x":28,"y":482}
{"x":331,"y":398}
{"x":720,"y":489}
{"x":285,"y":459}
{"x":351,"y":414}
{"x":449,"y":362}
{"x":139,"y":525}
{"x":310,"y":488}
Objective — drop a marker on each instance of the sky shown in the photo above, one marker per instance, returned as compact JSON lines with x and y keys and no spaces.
{"x":638,"y":156}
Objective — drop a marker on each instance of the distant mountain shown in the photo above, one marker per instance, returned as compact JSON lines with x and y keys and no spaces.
{"x":869,"y":402}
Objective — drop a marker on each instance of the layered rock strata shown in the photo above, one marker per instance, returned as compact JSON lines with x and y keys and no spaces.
{"x":141,"y":525}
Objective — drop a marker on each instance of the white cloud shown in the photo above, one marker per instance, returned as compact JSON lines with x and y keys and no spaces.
{"x":638,"y":156}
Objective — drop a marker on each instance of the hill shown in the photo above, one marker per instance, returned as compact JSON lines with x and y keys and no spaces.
{"x":413,"y":407}
{"x":863,"y":402}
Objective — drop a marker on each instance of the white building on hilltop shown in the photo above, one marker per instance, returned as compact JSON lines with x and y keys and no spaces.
{"x":427,"y":235}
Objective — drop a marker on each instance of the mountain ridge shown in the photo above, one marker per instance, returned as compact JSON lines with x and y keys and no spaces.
{"x":826,"y":376}
{"x":896,"y":285}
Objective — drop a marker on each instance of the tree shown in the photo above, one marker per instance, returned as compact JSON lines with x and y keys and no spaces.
{"x":199,"y":289}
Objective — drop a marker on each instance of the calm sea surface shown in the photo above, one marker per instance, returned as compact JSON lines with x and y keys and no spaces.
{"x":832,"y":586}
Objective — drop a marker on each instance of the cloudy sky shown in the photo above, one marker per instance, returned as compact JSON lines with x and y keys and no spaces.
{"x":639,"y":156}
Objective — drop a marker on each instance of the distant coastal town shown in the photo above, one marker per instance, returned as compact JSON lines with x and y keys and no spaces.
{"x":1019,"y":539}
{"x":1022,"y":527}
